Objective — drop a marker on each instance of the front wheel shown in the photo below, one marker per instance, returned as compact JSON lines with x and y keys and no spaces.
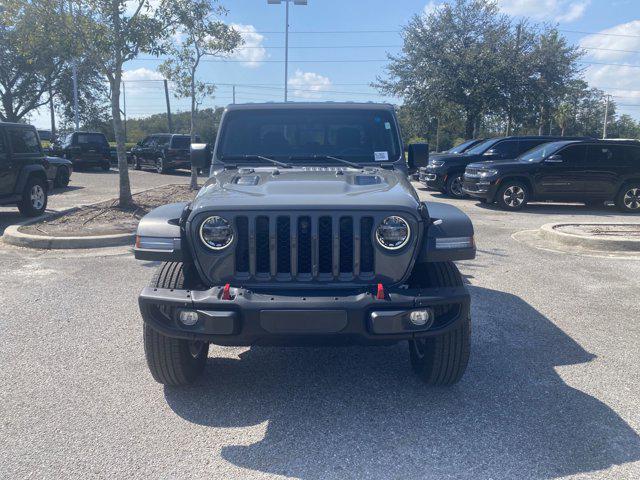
{"x":62,"y":178}
{"x":106,"y":166}
{"x":454,"y":185}
{"x":441,"y":360}
{"x":160,"y":166}
{"x":628,"y":199}
{"x":172,"y":361}
{"x":513,"y":195}
{"x":34,"y":197}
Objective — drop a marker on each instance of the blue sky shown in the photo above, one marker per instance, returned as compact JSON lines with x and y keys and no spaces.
{"x":259,"y":74}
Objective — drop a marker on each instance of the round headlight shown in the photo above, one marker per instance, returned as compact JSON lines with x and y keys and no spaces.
{"x":393,"y":233}
{"x":216,"y":233}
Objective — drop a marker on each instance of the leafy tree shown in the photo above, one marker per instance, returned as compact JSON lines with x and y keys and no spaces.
{"x":555,"y":66}
{"x":206,"y":125}
{"x":625,"y":127}
{"x":199,"y":34}
{"x":449,"y":56}
{"x":113,"y":32}
{"x":563,"y":114}
{"x":33,"y":55}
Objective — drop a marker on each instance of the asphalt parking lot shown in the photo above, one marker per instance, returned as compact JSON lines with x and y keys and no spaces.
{"x":551,"y":389}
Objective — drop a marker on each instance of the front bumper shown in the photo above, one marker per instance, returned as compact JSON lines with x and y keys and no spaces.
{"x":433,"y":179}
{"x":295,"y":318}
{"x":90,"y":160}
{"x":480,"y":188}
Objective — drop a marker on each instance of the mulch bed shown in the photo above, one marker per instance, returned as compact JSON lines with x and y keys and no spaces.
{"x":610,"y":230}
{"x":107,"y":218}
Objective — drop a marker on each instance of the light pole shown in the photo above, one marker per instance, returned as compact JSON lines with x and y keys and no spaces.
{"x":286,"y":37}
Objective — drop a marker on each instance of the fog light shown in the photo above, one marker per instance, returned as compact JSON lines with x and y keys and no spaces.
{"x":188,"y":317}
{"x":419,"y":317}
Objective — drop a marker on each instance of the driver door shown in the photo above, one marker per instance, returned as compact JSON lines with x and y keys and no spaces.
{"x":8,"y":174}
{"x":562,"y":178}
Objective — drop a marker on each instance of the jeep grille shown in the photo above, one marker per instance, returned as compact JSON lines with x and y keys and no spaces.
{"x":304,"y":247}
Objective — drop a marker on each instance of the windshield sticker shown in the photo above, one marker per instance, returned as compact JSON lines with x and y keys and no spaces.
{"x":387,"y":126}
{"x":381,"y":156}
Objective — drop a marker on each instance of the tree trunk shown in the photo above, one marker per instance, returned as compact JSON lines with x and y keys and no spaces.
{"x":124,"y":197}
{"x":53,"y":117}
{"x":469,"y":125}
{"x":194,"y":171}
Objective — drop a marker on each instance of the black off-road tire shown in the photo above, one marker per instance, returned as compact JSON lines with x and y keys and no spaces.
{"x":454,"y":185}
{"x":160,"y":166}
{"x":62,"y":178}
{"x":172,"y":361}
{"x":442,"y":360}
{"x":105,"y":166}
{"x":628,"y":198}
{"x":518,"y":195}
{"x":27,"y":205}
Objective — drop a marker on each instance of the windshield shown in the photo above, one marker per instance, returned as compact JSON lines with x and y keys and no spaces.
{"x":91,"y":139}
{"x":462,"y":147}
{"x":482,"y":146}
{"x":540,"y":152}
{"x":310,"y":134}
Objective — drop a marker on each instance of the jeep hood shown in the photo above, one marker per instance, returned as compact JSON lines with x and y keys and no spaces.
{"x":307,"y":187}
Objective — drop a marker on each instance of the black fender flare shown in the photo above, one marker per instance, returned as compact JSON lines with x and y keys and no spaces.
{"x":28,"y":171}
{"x":159,"y":235}
{"x":449,"y":235}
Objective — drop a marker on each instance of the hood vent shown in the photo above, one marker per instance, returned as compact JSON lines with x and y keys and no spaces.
{"x":367,"y":180}
{"x":248,"y":180}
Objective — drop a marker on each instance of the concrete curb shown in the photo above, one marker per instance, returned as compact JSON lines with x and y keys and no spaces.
{"x":13,"y":235}
{"x":551,"y":233}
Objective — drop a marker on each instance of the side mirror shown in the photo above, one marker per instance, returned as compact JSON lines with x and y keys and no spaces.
{"x":554,"y":159}
{"x":200,"y":155}
{"x":492,"y":152}
{"x":417,"y":156}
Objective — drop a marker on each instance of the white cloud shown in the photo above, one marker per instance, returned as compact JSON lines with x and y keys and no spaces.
{"x":141,"y":74}
{"x":252,"y":52}
{"x":308,"y":84}
{"x":149,"y":7}
{"x":620,"y":45}
{"x":603,"y":47}
{"x":556,"y":10}
{"x":136,"y":80}
{"x":431,"y":7}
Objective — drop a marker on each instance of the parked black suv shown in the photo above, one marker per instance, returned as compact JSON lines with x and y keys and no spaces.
{"x":445,"y":172}
{"x":589,"y":171}
{"x":23,"y":179}
{"x":84,"y":149}
{"x":163,"y":152}
{"x":460,"y":148}
{"x":309,"y":233}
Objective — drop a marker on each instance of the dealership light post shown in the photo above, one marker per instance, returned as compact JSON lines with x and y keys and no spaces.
{"x":286,"y":36}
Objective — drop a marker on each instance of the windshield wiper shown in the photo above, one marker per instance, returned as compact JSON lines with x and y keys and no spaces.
{"x":329,"y":157}
{"x":259,"y":157}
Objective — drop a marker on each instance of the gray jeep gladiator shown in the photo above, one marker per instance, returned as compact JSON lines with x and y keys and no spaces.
{"x":307,"y":232}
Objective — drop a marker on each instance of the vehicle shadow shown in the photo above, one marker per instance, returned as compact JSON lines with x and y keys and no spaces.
{"x":68,"y":188}
{"x":361,"y":413}
{"x":562,"y":209}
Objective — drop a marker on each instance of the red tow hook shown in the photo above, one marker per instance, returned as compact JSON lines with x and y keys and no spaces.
{"x":380,"y":295}
{"x":226,"y":292}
